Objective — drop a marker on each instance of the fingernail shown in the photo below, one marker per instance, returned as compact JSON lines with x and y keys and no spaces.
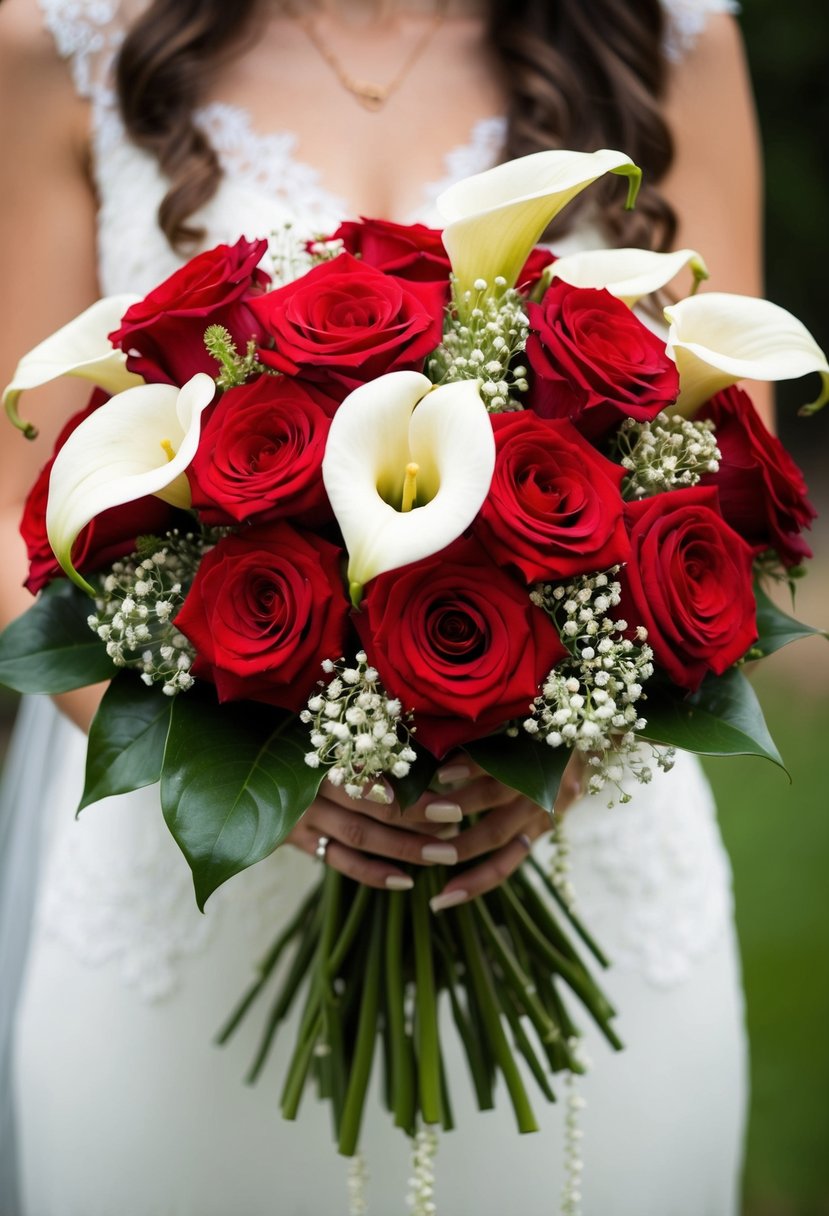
{"x":454,"y":772}
{"x":441,"y":811}
{"x":448,"y":833}
{"x":448,"y":899}
{"x":399,"y":882}
{"x":443,"y":854}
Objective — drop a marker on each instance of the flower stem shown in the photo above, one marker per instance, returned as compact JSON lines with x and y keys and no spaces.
{"x":402,"y":1058}
{"x":363,"y":1054}
{"x":426,"y":1021}
{"x":485,"y":993}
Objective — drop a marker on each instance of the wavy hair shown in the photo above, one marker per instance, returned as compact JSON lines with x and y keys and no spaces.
{"x":580,"y":74}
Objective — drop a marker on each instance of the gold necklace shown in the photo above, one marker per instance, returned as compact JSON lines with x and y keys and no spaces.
{"x":370,"y":95}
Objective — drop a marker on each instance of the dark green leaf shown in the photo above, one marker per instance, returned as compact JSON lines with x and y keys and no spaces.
{"x":409,"y":788}
{"x":525,"y":764}
{"x":233,"y":784}
{"x":50,"y":648}
{"x":776,"y":628}
{"x":723,"y":718}
{"x":126,"y":739}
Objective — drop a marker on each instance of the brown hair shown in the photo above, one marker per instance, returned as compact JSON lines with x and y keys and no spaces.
{"x":579,"y":74}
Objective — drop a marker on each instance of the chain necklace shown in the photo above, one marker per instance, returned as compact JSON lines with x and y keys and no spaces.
{"x":370,"y":95}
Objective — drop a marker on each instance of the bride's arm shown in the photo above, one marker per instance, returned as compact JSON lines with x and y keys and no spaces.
{"x":715,"y":184}
{"x":47,"y":255}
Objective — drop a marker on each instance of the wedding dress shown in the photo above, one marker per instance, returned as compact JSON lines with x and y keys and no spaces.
{"x":123,"y":1105}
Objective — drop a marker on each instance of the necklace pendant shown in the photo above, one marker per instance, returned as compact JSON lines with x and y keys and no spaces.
{"x":371,"y":96}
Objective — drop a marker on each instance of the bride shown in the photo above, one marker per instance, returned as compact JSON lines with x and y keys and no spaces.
{"x":226,"y":119}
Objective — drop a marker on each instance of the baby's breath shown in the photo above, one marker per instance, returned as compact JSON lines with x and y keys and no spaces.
{"x":589,"y":702}
{"x":137,"y":602}
{"x":481,"y":342}
{"x":669,"y":453}
{"x":357,"y":731}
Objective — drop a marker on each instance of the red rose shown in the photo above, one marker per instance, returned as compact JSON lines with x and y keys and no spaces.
{"x":410,"y":251}
{"x":415,"y":252}
{"x":260,"y":455}
{"x":344,"y":323}
{"x":689,"y":583}
{"x":110,"y":536}
{"x":459,"y":642}
{"x":554,"y":508}
{"x":265,"y":608}
{"x":594,"y":361}
{"x":762,"y":491}
{"x":163,"y":335}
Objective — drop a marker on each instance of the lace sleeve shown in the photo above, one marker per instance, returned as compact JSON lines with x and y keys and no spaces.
{"x":88,"y":34}
{"x":686,"y":21}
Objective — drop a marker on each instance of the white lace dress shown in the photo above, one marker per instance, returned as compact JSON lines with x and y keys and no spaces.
{"x":123,"y":1105}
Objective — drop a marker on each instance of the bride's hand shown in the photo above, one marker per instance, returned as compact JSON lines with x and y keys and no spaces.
{"x":365,"y":837}
{"x":506,"y":830}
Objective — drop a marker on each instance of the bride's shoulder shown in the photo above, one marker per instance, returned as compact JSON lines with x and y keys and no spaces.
{"x":687,"y":20}
{"x":84,"y":33}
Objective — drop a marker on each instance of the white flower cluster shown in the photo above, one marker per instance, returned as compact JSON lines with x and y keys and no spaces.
{"x":357,"y":730}
{"x":289,"y":257}
{"x":483,"y":344}
{"x":668,"y":453}
{"x":136,"y":606}
{"x":421,"y":1197}
{"x":589,"y":702}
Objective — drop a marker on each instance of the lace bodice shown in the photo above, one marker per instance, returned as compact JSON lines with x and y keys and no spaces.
{"x":651,"y":877}
{"x":265,"y":184}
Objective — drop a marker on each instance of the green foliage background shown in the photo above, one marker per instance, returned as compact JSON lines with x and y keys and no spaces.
{"x":778,"y":834}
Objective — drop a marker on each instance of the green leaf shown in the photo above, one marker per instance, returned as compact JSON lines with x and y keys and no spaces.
{"x":50,"y":648}
{"x":723,"y":718}
{"x":233,"y":784}
{"x":409,"y":788}
{"x":776,"y":628}
{"x":525,"y":764}
{"x":126,"y":739}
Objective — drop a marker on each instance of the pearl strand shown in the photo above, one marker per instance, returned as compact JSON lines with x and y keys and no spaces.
{"x":422,"y":1182}
{"x":357,"y":1179}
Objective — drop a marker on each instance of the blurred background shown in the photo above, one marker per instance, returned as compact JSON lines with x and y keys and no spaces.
{"x":778,"y":833}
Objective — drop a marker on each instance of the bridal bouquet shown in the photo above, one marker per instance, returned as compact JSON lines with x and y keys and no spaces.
{"x":425,"y":492}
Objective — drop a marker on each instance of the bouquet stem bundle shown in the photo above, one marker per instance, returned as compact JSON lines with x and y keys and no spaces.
{"x":372,"y":964}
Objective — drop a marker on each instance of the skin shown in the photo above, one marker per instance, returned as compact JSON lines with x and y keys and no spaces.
{"x":377,"y":162}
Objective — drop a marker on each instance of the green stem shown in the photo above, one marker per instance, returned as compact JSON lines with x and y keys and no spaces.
{"x":485,"y":993}
{"x":268,"y":965}
{"x":589,"y":941}
{"x":473,"y":1043}
{"x":298,"y":1070}
{"x":509,"y":1004}
{"x":349,"y":930}
{"x":402,"y":1058}
{"x":426,"y":1019}
{"x":572,"y":973}
{"x":521,"y":982}
{"x":296,"y":974}
{"x":366,"y":1034}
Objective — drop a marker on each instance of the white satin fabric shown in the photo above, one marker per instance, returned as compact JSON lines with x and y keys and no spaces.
{"x":121,"y":1102}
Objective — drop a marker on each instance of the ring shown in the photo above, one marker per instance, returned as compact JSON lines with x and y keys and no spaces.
{"x":525,"y":840}
{"x":322,"y":848}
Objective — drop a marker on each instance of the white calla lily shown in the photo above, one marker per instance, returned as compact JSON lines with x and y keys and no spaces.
{"x":138,"y":443}
{"x":628,"y":274}
{"x":406,"y":467}
{"x":718,"y":339}
{"x":81,"y":348}
{"x":493,"y":219}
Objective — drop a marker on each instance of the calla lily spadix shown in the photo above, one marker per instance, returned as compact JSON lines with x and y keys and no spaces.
{"x":138,"y":443}
{"x":717,"y":339}
{"x":406,"y":467}
{"x":81,"y":348}
{"x":493,"y":219}
{"x":628,"y":274}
